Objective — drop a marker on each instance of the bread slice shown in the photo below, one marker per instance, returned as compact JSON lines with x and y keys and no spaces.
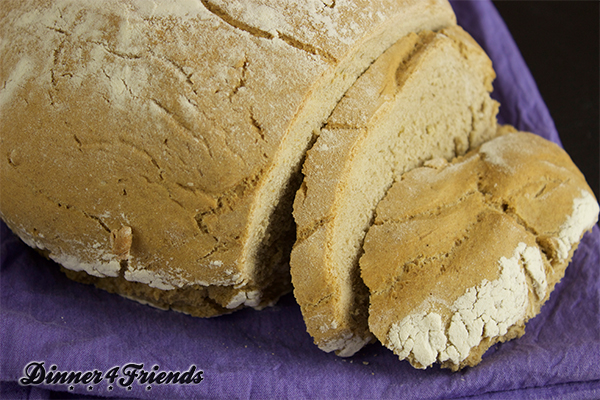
{"x":150,"y":147}
{"x":425,"y":97}
{"x":462,"y":254}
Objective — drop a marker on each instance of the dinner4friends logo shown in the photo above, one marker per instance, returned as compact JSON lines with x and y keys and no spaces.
{"x":125,"y":376}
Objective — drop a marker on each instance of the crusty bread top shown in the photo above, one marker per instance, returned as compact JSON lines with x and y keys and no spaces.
{"x":466,"y":251}
{"x":169,"y":120}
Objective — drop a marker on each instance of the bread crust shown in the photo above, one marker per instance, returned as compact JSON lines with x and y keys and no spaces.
{"x":447,"y":236}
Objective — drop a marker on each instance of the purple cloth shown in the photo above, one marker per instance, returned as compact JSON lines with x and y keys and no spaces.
{"x":268,"y":354}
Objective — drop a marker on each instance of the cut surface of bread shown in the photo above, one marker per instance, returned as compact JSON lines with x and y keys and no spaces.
{"x":150,"y":148}
{"x":427,"y":96}
{"x":462,"y":254}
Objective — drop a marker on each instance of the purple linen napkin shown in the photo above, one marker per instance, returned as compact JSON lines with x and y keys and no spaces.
{"x":44,"y":317}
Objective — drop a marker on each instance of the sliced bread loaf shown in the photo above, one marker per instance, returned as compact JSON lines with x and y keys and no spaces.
{"x":425,"y":97}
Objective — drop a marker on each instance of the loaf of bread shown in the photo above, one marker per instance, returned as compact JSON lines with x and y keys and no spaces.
{"x":205,"y":156}
{"x":427,"y":96}
{"x":153,"y":148}
{"x":462,"y":254}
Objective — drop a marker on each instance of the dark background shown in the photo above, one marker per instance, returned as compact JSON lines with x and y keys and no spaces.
{"x":559,"y":41}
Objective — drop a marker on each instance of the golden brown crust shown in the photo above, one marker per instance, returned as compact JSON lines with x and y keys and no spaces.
{"x":447,"y":236}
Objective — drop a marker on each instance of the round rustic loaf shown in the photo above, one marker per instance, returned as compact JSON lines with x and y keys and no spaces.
{"x":152,"y":148}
